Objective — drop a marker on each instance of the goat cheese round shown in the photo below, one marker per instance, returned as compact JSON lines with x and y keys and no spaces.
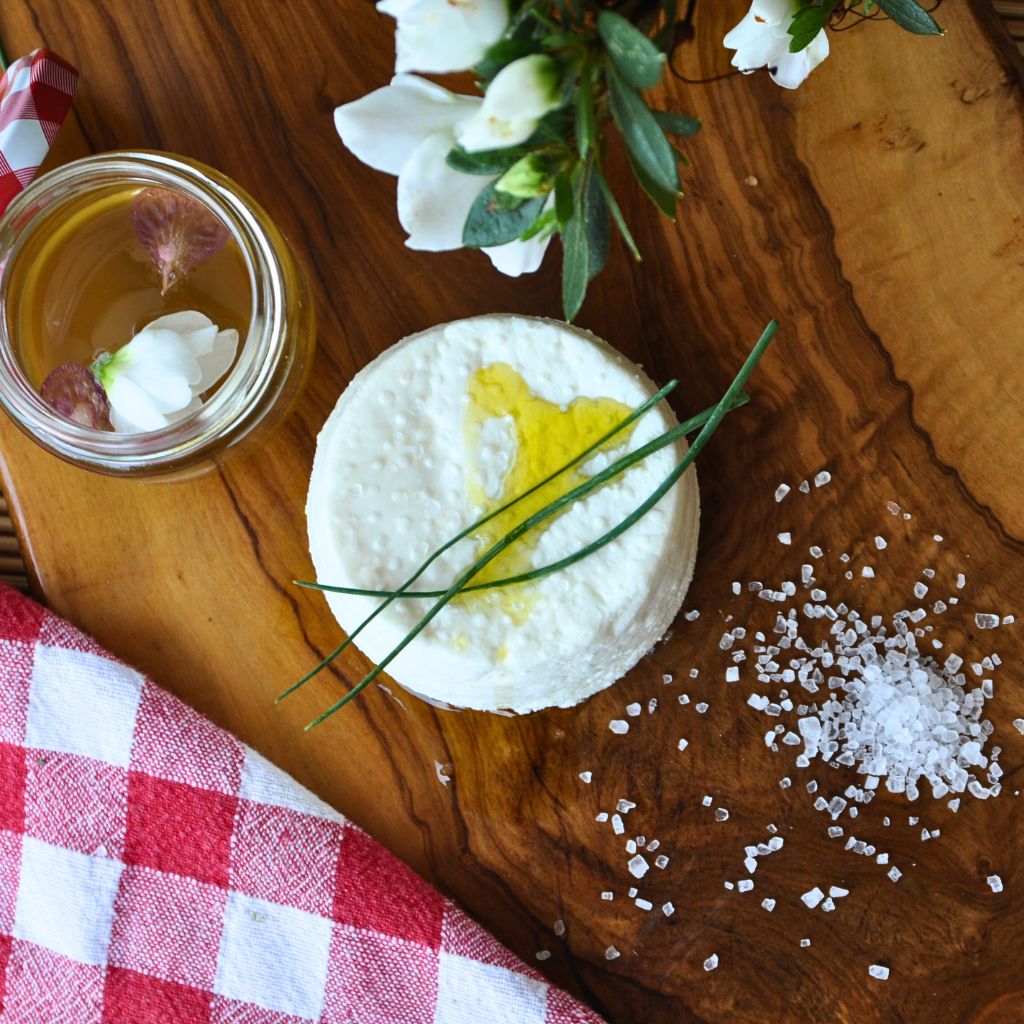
{"x":450,"y":424}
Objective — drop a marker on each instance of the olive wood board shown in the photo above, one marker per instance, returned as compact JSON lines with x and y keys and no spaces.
{"x":877,"y":213}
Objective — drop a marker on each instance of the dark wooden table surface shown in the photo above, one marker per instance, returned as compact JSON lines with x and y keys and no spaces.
{"x":877,"y":213}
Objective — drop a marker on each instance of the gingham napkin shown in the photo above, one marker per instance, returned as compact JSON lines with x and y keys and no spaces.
{"x":154,"y":870}
{"x":35,"y":97}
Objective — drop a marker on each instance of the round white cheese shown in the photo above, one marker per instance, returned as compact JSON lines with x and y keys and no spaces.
{"x":401,"y":467}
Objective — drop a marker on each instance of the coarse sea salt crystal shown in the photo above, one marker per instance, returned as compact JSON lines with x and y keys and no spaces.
{"x":732,"y":674}
{"x":607,"y":895}
{"x":617,"y":827}
{"x":804,"y":943}
{"x":1018,"y":724}
{"x":559,"y":927}
{"x":701,"y":708}
{"x":543,"y":954}
{"x":668,"y":909}
{"x":611,"y":953}
{"x":768,"y":904}
{"x":781,"y":491}
{"x":986,"y":620}
{"x":586,"y":776}
{"x":785,"y":538}
{"x":895,"y":874}
{"x":867,"y":572}
{"x":618,"y":726}
{"x":880,"y":543}
{"x":812,"y":897}
{"x":711,"y":963}
{"x":745,"y":884}
{"x":879,"y":972}
{"x":995,"y":883}
{"x":822,"y":478}
{"x":643,"y":904}
{"x":633,"y":710}
{"x":638,"y":866}
{"x":682,"y":744}
{"x":721,"y":814}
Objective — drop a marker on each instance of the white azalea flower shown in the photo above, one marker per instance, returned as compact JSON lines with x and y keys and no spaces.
{"x":437,"y":36}
{"x":519,"y":96}
{"x":762,"y":39}
{"x":407,"y":129}
{"x":158,"y":377}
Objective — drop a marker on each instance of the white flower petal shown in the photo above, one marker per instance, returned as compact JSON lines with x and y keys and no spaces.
{"x":433,"y":199}
{"x":762,"y":39}
{"x":181,"y":323}
{"x":521,"y":93}
{"x":159,"y":356}
{"x":524,"y":90}
{"x":384,"y":128}
{"x":214,"y":363}
{"x":132,"y":405}
{"x":438,"y":36}
{"x":515,"y":258}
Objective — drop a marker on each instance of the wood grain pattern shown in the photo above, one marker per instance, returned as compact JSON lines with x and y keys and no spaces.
{"x":877,"y":213}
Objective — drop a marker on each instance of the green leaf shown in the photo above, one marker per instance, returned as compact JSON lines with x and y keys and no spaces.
{"x":646,"y":142}
{"x":547,"y":222}
{"x":563,"y":199}
{"x":599,"y":233}
{"x":586,"y":120}
{"x":616,"y":212}
{"x":677,"y":124}
{"x":492,"y":221}
{"x":808,"y":21}
{"x":909,"y":14}
{"x":639,"y":61}
{"x":503,"y":52}
{"x":576,"y":253}
{"x":665,"y":199}
{"x":489,"y":161}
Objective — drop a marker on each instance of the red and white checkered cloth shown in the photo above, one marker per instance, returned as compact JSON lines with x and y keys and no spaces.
{"x":35,"y":96}
{"x":154,"y":870}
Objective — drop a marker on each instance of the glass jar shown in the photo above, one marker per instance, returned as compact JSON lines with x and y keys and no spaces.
{"x":273,"y":359}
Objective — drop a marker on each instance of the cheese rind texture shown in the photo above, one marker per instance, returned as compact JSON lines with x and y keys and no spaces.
{"x":389,"y":486}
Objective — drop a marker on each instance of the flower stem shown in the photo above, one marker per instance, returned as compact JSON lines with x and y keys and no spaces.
{"x":4,"y":62}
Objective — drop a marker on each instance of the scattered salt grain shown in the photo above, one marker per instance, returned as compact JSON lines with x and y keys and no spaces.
{"x":785,"y":538}
{"x":638,"y":866}
{"x":938,"y":538}
{"x":986,"y":620}
{"x":768,"y":904}
{"x":633,"y":710}
{"x":644,"y":904}
{"x":611,"y":953}
{"x":804,"y":943}
{"x":867,"y":572}
{"x":721,"y":814}
{"x":961,"y":579}
{"x":701,"y":708}
{"x":995,"y":883}
{"x":814,"y":551}
{"x":711,"y":963}
{"x":745,"y":884}
{"x":683,"y":744}
{"x":617,"y":827}
{"x":625,"y":806}
{"x":812,"y":897}
{"x":603,"y":816}
{"x":732,"y":674}
{"x":781,"y":491}
{"x":707,"y":801}
{"x":837,"y":893}
{"x":692,"y":616}
{"x":822,"y":478}
{"x":879,"y":972}
{"x":1018,"y":724}
{"x":606,"y":895}
{"x":618,"y":726}
{"x":895,"y":874}
{"x":661,"y":861}
{"x":586,"y":776}
{"x":543,"y":954}
{"x":881,"y":543}
{"x":804,"y":487}
{"x":668,"y":909}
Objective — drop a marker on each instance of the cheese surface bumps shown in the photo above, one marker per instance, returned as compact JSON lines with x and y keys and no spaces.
{"x":447,"y":425}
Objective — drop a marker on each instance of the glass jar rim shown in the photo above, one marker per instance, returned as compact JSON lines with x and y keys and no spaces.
{"x":238,"y":397}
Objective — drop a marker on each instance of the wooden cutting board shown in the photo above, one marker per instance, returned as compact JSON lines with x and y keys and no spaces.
{"x":877,"y":213}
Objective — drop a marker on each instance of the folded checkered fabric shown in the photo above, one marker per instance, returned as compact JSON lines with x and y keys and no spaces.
{"x":154,"y":870}
{"x":35,"y":97}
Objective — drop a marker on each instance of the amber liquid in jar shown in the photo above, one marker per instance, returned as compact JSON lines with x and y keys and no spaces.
{"x":85,"y":285}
